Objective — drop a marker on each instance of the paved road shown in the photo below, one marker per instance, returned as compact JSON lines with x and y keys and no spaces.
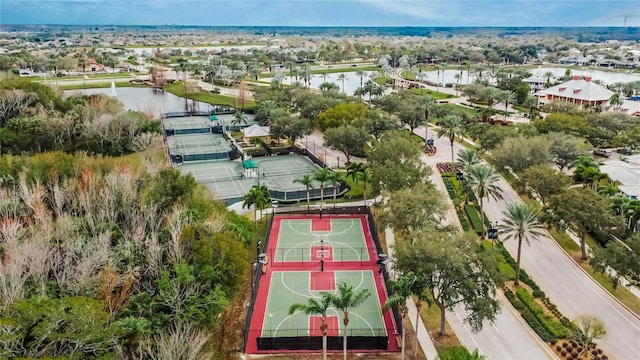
{"x":564,"y":282}
{"x":570,"y":288}
{"x":509,"y":337}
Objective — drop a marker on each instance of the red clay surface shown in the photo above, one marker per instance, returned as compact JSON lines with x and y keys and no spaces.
{"x":333,"y":326}
{"x":317,"y":251}
{"x":257,"y":319}
{"x":321,"y":225}
{"x":322,"y":281}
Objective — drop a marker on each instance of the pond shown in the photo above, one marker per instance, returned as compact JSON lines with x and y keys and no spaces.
{"x":147,"y":100}
{"x":607,"y":77}
{"x":351,"y":83}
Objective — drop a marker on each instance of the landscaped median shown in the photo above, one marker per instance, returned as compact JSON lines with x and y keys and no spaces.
{"x":528,"y":299}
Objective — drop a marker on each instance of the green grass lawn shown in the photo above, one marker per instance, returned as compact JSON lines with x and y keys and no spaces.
{"x":329,"y":71}
{"x":468,"y":111}
{"x":104,"y":85}
{"x":177,"y":89}
{"x":436,"y":95}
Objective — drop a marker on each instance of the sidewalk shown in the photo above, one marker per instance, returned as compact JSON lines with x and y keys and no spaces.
{"x":423,"y":335}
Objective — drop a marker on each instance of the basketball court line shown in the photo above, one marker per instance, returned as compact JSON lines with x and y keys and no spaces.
{"x":352,"y":313}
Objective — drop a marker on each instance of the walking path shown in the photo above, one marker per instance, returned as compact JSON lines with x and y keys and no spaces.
{"x":424,"y":338}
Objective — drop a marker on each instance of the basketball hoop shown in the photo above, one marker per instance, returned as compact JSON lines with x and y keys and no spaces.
{"x":320,"y":207}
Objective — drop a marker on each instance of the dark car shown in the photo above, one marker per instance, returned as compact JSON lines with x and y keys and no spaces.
{"x":625,"y":151}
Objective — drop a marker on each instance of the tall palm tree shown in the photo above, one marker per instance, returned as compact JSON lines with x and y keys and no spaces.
{"x":365,"y":176}
{"x":520,"y":223}
{"x":337,"y":178}
{"x":507,"y":97}
{"x":314,"y":307}
{"x":482,"y":181}
{"x":345,"y":300}
{"x":322,"y":176}
{"x":428,"y":103}
{"x":439,"y":68}
{"x":451,"y":127}
{"x":401,"y":289}
{"x":419,"y":290}
{"x":342,"y":77}
{"x":307,"y":182}
{"x":361,"y":74}
{"x":467,"y":158}
{"x":531,"y":102}
{"x":258,"y":197}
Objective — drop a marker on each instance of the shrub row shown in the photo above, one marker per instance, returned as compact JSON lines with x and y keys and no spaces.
{"x":450,"y":188}
{"x":563,"y":319}
{"x":529,"y":317}
{"x":474,"y":217}
{"x":463,"y":221}
{"x":555,"y":328}
{"x":524,"y":277}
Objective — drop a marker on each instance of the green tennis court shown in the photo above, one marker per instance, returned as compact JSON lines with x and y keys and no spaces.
{"x":289,"y":287}
{"x":198,"y":144}
{"x":329,"y":239}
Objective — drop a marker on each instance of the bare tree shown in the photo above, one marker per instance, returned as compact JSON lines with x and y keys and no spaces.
{"x":176,"y":222}
{"x":181,"y":342}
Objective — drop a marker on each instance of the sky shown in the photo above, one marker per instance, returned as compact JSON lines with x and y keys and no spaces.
{"x":323,"y":12}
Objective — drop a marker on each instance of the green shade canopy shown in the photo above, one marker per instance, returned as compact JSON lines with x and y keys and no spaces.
{"x":250,"y":164}
{"x":213,"y":118}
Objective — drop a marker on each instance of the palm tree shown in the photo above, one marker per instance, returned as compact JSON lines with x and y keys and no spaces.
{"x":361,"y":74}
{"x":314,"y":307}
{"x":451,"y":127}
{"x":616,"y":101}
{"x":401,"y":289}
{"x":307,"y":182}
{"x":365,"y":176}
{"x":428,"y":103}
{"x":507,"y":97}
{"x":345,"y":300}
{"x":342,"y":77}
{"x":337,"y":178}
{"x":482,"y":181}
{"x":467,"y":158}
{"x":258,"y":197}
{"x":520,"y":223}
{"x":548,"y":75}
{"x":438,"y":68}
{"x":531,"y":102}
{"x":458,"y":76}
{"x":322,"y":176}
{"x":608,"y":190}
{"x":239,"y":119}
{"x":353,"y":170}
{"x":265,"y":111}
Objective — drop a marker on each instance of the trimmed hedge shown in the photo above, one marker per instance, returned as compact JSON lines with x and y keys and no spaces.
{"x":524,"y":277}
{"x":529,"y":317}
{"x":474,"y":217}
{"x":555,"y":328}
{"x":450,"y":188}
{"x":463,"y":220}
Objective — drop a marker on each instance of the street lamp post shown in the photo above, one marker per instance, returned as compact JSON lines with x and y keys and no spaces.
{"x":492,"y":233}
{"x":322,"y":253}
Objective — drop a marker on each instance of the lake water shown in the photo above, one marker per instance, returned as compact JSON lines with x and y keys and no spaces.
{"x":351,"y":83}
{"x":148,"y":50}
{"x":147,"y":100}
{"x":607,"y":77}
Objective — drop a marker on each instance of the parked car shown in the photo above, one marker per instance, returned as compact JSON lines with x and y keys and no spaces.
{"x":601,"y":152}
{"x":625,"y":151}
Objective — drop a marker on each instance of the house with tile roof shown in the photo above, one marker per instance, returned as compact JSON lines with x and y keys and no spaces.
{"x":582,"y":92}
{"x":625,"y":173}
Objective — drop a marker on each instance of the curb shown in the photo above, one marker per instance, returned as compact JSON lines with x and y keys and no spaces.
{"x":533,"y":334}
{"x":555,"y":242}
